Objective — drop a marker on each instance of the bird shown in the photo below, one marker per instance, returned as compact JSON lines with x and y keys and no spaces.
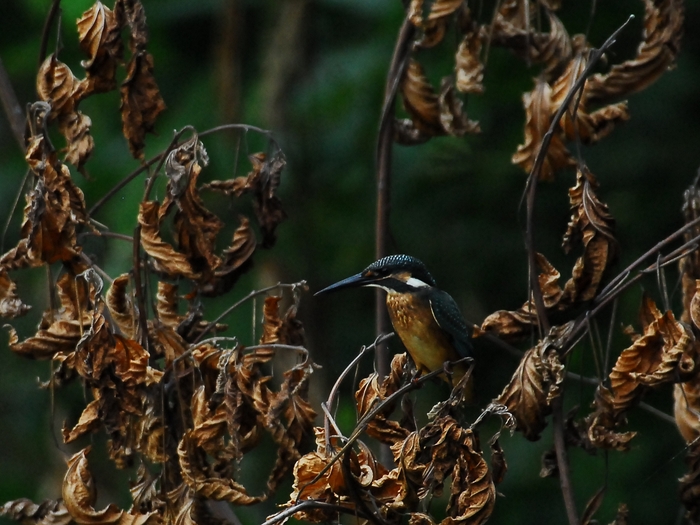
{"x":426,"y":318}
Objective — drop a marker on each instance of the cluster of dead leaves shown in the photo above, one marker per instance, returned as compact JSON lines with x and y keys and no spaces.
{"x":565,"y":59}
{"x":425,"y":458}
{"x":185,"y":408}
{"x":592,"y":227}
{"x":516,"y":25}
{"x":195,"y":228}
{"x":100,"y":38}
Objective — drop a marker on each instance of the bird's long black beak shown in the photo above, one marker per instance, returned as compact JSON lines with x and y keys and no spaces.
{"x":351,"y":282}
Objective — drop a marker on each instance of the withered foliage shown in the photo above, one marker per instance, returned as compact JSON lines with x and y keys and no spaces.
{"x":536,"y":382}
{"x":425,"y":458}
{"x":518,"y":26}
{"x":185,"y":408}
{"x":592,"y":227}
{"x":100,"y":38}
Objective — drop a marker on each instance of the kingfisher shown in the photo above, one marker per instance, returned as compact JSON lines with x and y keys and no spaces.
{"x":426,"y":319}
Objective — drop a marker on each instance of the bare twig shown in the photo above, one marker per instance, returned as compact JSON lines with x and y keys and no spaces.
{"x":252,"y":294}
{"x":10,"y":105}
{"x":312,"y":504}
{"x":336,"y":386}
{"x":383,"y":162}
{"x":50,"y":17}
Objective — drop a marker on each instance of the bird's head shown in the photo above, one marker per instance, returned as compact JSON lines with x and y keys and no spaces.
{"x":394,"y":273}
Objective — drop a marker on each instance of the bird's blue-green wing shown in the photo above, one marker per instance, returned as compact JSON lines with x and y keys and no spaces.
{"x":447,"y":315}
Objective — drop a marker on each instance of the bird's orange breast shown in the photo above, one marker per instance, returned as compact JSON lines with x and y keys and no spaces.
{"x":425,"y":341}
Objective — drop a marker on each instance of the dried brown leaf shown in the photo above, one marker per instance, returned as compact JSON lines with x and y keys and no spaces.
{"x":453,"y":119}
{"x":370,"y":392}
{"x":166,"y":259}
{"x":591,"y":225}
{"x":141,"y":102}
{"x":99,"y":34}
{"x":535,"y":383}
{"x":79,"y":494}
{"x":54,"y":209}
{"x":602,"y":423}
{"x":11,"y":305}
{"x":120,"y":306}
{"x":664,"y":353}
{"x":25,"y":511}
{"x":663,"y":30}
{"x":577,"y":123}
{"x":61,"y":330}
{"x":420,"y":100}
{"x":88,"y":422}
{"x":469,"y":69}
{"x":538,"y":118}
{"x":56,"y":85}
{"x":686,"y":409}
{"x":205,"y":484}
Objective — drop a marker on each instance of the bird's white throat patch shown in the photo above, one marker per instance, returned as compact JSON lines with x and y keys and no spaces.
{"x":416,"y":283}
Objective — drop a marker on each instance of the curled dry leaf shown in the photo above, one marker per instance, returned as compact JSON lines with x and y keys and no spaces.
{"x":59,"y":331}
{"x":514,"y":27}
{"x":601,"y":424}
{"x":48,"y":512}
{"x":577,"y":123}
{"x":141,"y":102}
{"x":535,"y":383}
{"x":165,"y":258}
{"x":120,"y":306}
{"x":433,"y":114}
{"x":663,"y":30}
{"x":55,"y":207}
{"x":99,"y":34}
{"x":689,"y":265}
{"x":369,"y":480}
{"x":11,"y":305}
{"x":468,"y":66}
{"x":370,"y":392}
{"x":593,"y":226}
{"x":79,"y":494}
{"x":206,"y":484}
{"x":538,"y":118}
{"x":686,"y":409}
{"x":57,"y":86}
{"x":664,"y":353}
{"x":262,"y":182}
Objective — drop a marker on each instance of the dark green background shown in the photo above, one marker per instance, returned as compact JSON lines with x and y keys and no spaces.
{"x":318,"y":85}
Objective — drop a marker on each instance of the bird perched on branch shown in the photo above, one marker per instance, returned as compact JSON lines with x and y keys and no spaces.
{"x":426,"y":319}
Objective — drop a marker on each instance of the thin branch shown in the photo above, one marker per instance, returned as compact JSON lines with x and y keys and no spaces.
{"x":12,"y":210}
{"x":50,"y":17}
{"x":383,"y":158}
{"x":298,"y":507}
{"x":252,"y":294}
{"x":12,"y":108}
{"x":336,"y":386}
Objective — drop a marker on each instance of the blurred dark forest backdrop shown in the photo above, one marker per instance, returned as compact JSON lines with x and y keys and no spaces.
{"x":313,"y":72}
